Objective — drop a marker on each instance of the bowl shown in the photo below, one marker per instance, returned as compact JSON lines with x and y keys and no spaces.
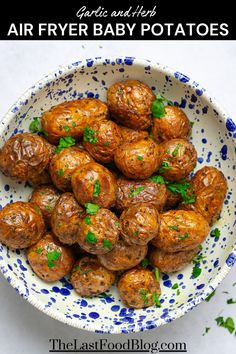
{"x":214,"y":136}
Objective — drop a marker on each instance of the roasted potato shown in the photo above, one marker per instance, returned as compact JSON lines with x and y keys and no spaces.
{"x":181,"y":230}
{"x":178,"y":158}
{"x":174,"y":125}
{"x":123,"y":256}
{"x":50,"y":260}
{"x":43,"y":178}
{"x":139,"y":159}
{"x":169,"y":262}
{"x":130,"y":103}
{"x":139,"y":288}
{"x":101,"y":139}
{"x":130,"y":135}
{"x":71,"y":118}
{"x":173,"y":200}
{"x":99,"y":233}
{"x":130,"y":192}
{"x":93,"y":183}
{"x":139,"y":224}
{"x":21,"y":225}
{"x":90,"y":278}
{"x":64,"y":164}
{"x":24,"y":156}
{"x":210,"y":187}
{"x":66,"y":219}
{"x":46,"y":198}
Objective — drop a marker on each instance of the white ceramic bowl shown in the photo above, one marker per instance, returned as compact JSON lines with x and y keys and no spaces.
{"x":214,"y":135}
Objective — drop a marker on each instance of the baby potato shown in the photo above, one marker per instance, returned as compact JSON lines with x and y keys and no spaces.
{"x":130,"y":192}
{"x":66,"y":219}
{"x":169,"y":262}
{"x":21,"y":225}
{"x":71,"y":118}
{"x":90,"y":278}
{"x":130,"y":135}
{"x":210,"y":188}
{"x":130,"y":103}
{"x":46,"y":198}
{"x":94,"y":183}
{"x":139,"y":159}
{"x":138,"y":288}
{"x":24,"y":156}
{"x":139,"y":224}
{"x":64,"y":164}
{"x":123,"y":256}
{"x":172,"y":201}
{"x":49,"y":259}
{"x":181,"y":230}
{"x":99,"y":233}
{"x":178,"y":158}
{"x":101,"y":139}
{"x":174,"y":125}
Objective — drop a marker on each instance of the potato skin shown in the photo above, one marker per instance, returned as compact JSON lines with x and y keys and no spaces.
{"x":38,"y":259}
{"x":181,"y":157}
{"x":169,"y":262}
{"x":174,"y":125}
{"x":172,"y":201}
{"x":152,"y":193}
{"x":136,"y":288}
{"x":130,"y":135}
{"x":90,"y":278}
{"x":139,"y":159}
{"x":70,"y":118}
{"x":64,"y":164}
{"x":21,"y":225}
{"x":108,"y":138}
{"x":46,"y":198}
{"x":130,"y":103}
{"x":139,"y":224}
{"x":84,"y":181}
{"x":210,"y":188}
{"x":66,"y":219}
{"x":24,"y":156}
{"x":105,"y":228}
{"x":123,"y":256}
{"x":192,"y":229}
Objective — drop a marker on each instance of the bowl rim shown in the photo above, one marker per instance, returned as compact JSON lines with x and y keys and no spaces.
{"x":17,"y":284}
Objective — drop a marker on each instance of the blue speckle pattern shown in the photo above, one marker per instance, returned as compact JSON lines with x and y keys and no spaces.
{"x":214,"y":134}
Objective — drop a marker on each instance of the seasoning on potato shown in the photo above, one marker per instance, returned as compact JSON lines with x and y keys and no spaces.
{"x":130,"y":135}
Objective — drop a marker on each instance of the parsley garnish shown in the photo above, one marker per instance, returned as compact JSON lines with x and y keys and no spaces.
{"x":65,"y":142}
{"x":135,"y":191}
{"x":139,"y":157}
{"x":107,"y":244}
{"x":158,"y":106}
{"x":145,"y":262}
{"x":215,"y":233}
{"x":175,"y":286}
{"x":181,"y":188}
{"x":91,"y":209}
{"x":155,"y":299}
{"x":175,"y":152}
{"x":66,"y":128}
{"x":60,"y":172}
{"x":90,"y":237}
{"x":174,"y":227}
{"x":228,"y":323}
{"x":89,"y":135}
{"x":196,"y":272}
{"x":157,"y":179}
{"x":157,"y":274}
{"x":52,"y":257}
{"x":87,"y":221}
{"x":34,"y":126}
{"x":143,"y":294}
{"x":208,"y":298}
{"x":198,"y":258}
{"x":164,"y":167}
{"x":207,"y":329}
{"x":231,"y":301}
{"x":184,"y":237}
{"x":39,"y":250}
{"x":96,"y":188}
{"x":73,"y":124}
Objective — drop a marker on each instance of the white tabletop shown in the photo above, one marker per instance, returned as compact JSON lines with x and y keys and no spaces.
{"x":212,"y":63}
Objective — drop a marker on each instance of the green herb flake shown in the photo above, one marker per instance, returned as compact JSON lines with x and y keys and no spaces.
{"x":90,"y":237}
{"x":143,"y":294}
{"x":89,"y":135}
{"x":52,"y":257}
{"x":174,"y":227}
{"x":135,"y":191}
{"x":157,"y":274}
{"x":39,"y":250}
{"x":175,"y":152}
{"x":144,"y":263}
{"x":136,"y":233}
{"x":157,"y":179}
{"x":198,"y":258}
{"x":73,"y":124}
{"x":228,"y":323}
{"x":178,"y":292}
{"x":48,"y":208}
{"x":96,"y":188}
{"x":155,"y":299}
{"x":207,"y":329}
{"x":215,"y":233}
{"x":164,"y":167}
{"x":196,"y":272}
{"x":87,"y":221}
{"x":65,"y":142}
{"x":66,"y":128}
{"x":208,"y":298}
{"x":231,"y":301}
{"x":107,"y":244}
{"x":34,"y":126}
{"x":91,"y":208}
{"x":158,"y":106}
{"x":107,"y":143}
{"x":140,"y":158}
{"x":60,"y":172}
{"x":175,"y":286}
{"x":183,"y":237}
{"x":182,"y":188}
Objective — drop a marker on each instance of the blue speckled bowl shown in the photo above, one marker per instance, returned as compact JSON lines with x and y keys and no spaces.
{"x":214,"y":136}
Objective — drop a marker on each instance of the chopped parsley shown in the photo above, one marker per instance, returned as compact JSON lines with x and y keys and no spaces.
{"x":175,"y":286}
{"x":90,"y":237}
{"x":207,"y":329}
{"x":136,"y":233}
{"x":60,"y":172}
{"x":158,"y":106}
{"x":174,"y":227}
{"x":91,"y":208}
{"x":157,"y":274}
{"x":81,"y":272}
{"x":155,"y":299}
{"x":52,"y":257}
{"x":97,"y":188}
{"x":198,"y":258}
{"x":73,"y":124}
{"x":34,"y":126}
{"x":164,"y":167}
{"x":144,"y":263}
{"x":87,"y":220}
{"x":215,"y":233}
{"x":89,"y":135}
{"x":135,"y":191}
{"x":208,"y":298}
{"x":231,"y":301}
{"x":107,"y":244}
{"x":66,"y":128}
{"x":65,"y":142}
{"x":228,"y":323}
{"x":175,"y":152}
{"x":157,"y":179}
{"x":182,"y":188}
{"x":39,"y":250}
{"x":139,"y":157}
{"x":184,"y":237}
{"x":196,"y":272}
{"x":48,"y":208}
{"x":143,"y":294}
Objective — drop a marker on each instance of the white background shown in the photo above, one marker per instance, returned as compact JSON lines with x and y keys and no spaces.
{"x":23,"y":329}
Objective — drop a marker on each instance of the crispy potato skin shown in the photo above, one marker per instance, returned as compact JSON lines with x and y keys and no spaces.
{"x":74,"y":115}
{"x":153,"y":193}
{"x":181,"y":157}
{"x":21,"y":225}
{"x":192,"y":231}
{"x":66,"y":219}
{"x":64,"y":164}
{"x":83,"y":184}
{"x":130,"y":135}
{"x":38,"y":260}
{"x":108,"y":138}
{"x":90,"y":278}
{"x":169,"y":262}
{"x":46,"y":198}
{"x":136,"y":282}
{"x":172,"y":201}
{"x":123,"y":256}
{"x":105,"y":227}
{"x":139,"y":224}
{"x":130,"y":103}
{"x":210,"y":188}
{"x":174,"y":125}
{"x":24,"y":156}
{"x":139,"y":159}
